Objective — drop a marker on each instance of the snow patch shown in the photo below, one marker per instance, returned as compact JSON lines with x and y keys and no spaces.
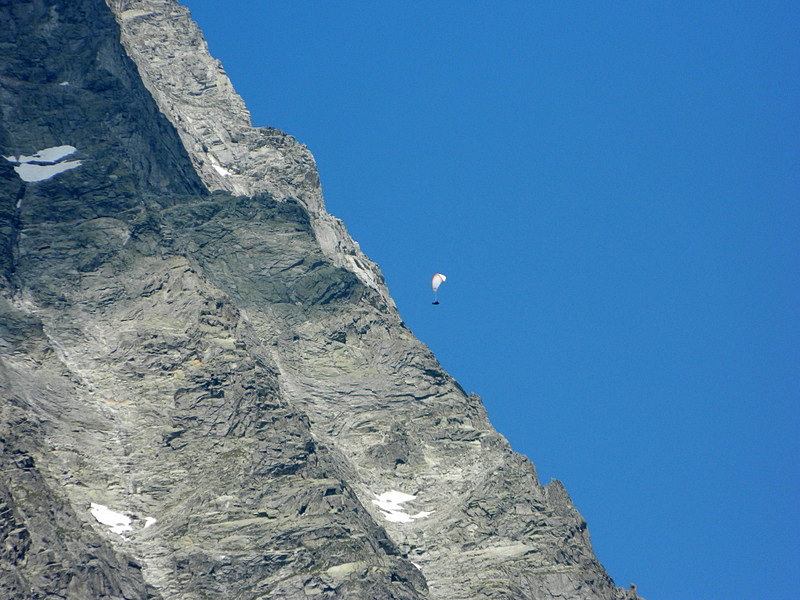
{"x":222,"y":170}
{"x":218,"y":167}
{"x":44,"y":164}
{"x":149,"y":521}
{"x":116,"y":522}
{"x":33,"y":173}
{"x":389,"y":503}
{"x":48,"y":155}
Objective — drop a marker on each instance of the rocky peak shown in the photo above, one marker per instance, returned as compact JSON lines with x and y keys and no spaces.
{"x":193,"y":91}
{"x":207,"y":389}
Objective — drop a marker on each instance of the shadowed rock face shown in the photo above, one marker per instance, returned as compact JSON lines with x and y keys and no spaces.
{"x":205,"y":388}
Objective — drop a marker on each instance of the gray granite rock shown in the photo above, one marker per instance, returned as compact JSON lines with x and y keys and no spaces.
{"x":206,"y":390}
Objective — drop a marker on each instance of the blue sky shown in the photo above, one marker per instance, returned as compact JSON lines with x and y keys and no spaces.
{"x":613,"y":190}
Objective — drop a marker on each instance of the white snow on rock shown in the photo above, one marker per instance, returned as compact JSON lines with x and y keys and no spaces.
{"x":149,"y":521}
{"x":117,"y":522}
{"x":218,"y":167}
{"x":49,"y":155}
{"x":389,"y":503}
{"x":222,"y":170}
{"x":44,"y":164}
{"x":32,"y":173}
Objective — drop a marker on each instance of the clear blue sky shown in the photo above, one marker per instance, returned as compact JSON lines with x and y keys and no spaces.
{"x":613,"y":190}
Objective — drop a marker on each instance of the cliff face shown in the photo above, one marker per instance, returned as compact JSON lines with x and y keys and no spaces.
{"x":206,"y":389}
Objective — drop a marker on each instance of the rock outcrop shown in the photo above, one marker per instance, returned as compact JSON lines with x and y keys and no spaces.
{"x":206,"y":389}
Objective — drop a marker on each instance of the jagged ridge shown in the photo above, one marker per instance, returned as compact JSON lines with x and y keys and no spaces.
{"x":190,"y":340}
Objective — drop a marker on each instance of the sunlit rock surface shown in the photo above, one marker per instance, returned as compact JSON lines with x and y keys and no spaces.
{"x":206,"y":389}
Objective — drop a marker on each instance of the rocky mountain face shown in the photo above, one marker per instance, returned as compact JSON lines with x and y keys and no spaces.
{"x":206,"y":390}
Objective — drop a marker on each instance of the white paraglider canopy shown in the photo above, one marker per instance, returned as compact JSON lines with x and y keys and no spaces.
{"x":437,"y":280}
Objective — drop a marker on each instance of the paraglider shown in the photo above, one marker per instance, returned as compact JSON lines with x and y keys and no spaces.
{"x":437,"y":280}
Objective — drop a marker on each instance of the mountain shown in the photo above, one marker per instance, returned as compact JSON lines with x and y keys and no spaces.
{"x":207,"y":390}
